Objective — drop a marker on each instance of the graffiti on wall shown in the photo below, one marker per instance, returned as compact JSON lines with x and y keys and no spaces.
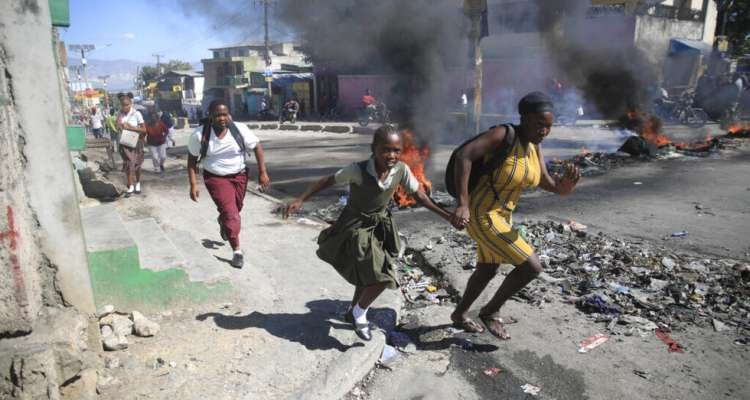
{"x":10,"y":239}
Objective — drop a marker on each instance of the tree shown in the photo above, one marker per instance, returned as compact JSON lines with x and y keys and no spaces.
{"x":732,"y":20}
{"x":149,"y":73}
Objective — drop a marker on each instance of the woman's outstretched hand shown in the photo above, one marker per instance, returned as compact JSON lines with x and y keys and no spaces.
{"x":569,"y":179}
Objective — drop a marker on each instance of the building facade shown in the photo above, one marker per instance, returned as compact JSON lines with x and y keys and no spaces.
{"x":236,"y":75}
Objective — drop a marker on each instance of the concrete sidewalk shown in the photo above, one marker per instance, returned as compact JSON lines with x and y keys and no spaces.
{"x":279,"y":337}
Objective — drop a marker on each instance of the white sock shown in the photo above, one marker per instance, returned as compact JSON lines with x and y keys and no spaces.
{"x":138,"y":186}
{"x":360,"y":315}
{"x":238,"y":251}
{"x":130,"y":189}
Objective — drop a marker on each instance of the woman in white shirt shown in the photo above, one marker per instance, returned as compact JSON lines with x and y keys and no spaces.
{"x":132,"y":156}
{"x":220,"y":145}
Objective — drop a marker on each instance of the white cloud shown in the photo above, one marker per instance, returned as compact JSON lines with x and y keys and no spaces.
{"x":129,"y":35}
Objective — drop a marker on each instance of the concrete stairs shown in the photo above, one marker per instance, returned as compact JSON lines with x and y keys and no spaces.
{"x":137,"y":265}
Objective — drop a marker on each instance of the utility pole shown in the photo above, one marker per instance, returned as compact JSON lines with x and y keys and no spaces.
{"x":158,"y":62}
{"x":267,"y":45}
{"x":83,"y":48}
{"x":104,"y":78}
{"x":474,"y":10}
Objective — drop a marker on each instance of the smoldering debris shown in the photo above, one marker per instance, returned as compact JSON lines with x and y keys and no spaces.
{"x":613,"y":74}
{"x":413,"y":41}
{"x":631,"y":286}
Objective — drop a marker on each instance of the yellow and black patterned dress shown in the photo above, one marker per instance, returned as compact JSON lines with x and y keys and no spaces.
{"x":491,"y":223}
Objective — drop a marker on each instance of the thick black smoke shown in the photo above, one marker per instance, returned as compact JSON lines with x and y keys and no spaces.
{"x":415,"y":41}
{"x":612,"y":73}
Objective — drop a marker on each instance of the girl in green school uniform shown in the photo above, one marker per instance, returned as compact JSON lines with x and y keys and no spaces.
{"x":363,"y":244}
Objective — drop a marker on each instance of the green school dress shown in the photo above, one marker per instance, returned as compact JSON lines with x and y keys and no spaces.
{"x":363,"y":244}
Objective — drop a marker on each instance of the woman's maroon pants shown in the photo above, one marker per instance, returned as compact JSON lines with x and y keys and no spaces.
{"x":228,"y":192}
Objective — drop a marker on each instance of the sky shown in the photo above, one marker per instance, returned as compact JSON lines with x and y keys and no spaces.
{"x":136,"y":29}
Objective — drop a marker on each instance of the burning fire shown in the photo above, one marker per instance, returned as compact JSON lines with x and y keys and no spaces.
{"x":739,"y":128}
{"x":414,"y":157}
{"x":648,"y":127}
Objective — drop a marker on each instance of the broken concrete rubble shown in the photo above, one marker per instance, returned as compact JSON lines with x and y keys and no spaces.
{"x":115,"y":327}
{"x":142,"y":326}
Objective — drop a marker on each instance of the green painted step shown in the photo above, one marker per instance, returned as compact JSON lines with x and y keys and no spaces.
{"x":118,"y":278}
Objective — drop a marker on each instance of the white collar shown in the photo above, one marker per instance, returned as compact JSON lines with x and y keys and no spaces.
{"x":374,"y":174}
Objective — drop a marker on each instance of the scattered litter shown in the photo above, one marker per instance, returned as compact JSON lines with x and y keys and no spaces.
{"x":592,"y":342}
{"x":639,"y":322}
{"x":642,"y":374}
{"x":680,"y":234}
{"x":576,"y":226}
{"x":673,"y":345}
{"x":453,"y":330}
{"x":637,"y":183}
{"x":492,"y":371}
{"x":668,"y":262}
{"x":531,"y":389}
{"x":388,"y":356}
{"x":720,"y":326}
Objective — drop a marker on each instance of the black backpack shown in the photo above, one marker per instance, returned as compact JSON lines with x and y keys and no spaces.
{"x":206,"y":136}
{"x":479,"y":168}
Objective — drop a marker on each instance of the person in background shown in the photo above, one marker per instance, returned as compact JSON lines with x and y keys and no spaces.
{"x":224,"y":170}
{"x":368,"y":100}
{"x":110,"y":122}
{"x":156,"y":137}
{"x":132,"y":157}
{"x":96,"y":122}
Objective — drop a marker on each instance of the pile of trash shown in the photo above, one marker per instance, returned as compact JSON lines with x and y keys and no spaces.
{"x":592,"y":164}
{"x":420,"y":289}
{"x":331,"y":213}
{"x":116,"y":327}
{"x":635,"y":286}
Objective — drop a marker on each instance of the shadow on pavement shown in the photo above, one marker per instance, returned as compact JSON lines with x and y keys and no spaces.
{"x":437,"y":338}
{"x":211,"y":244}
{"x":311,"y":329}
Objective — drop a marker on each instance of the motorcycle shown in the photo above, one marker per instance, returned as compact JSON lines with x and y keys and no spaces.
{"x":680,"y":110}
{"x":288,"y":113}
{"x":376,"y":113}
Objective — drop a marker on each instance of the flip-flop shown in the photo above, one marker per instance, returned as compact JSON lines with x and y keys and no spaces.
{"x":488,"y":320}
{"x":468,"y":325}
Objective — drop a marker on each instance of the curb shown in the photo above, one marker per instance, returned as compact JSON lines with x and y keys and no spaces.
{"x":313,"y":127}
{"x":353,"y":365}
{"x":344,"y":372}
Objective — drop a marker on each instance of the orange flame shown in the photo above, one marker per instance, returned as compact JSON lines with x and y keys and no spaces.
{"x":415,"y":157}
{"x":648,"y":127}
{"x":739,"y":128}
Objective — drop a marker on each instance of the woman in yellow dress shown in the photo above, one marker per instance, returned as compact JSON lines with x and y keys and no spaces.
{"x":486,"y":211}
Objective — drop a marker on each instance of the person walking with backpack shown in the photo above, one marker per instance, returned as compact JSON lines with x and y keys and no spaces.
{"x":363,"y":244}
{"x":489,"y":173}
{"x":221,"y":145}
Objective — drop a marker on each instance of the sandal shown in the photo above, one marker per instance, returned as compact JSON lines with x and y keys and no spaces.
{"x":495,"y":325}
{"x":468,"y":325}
